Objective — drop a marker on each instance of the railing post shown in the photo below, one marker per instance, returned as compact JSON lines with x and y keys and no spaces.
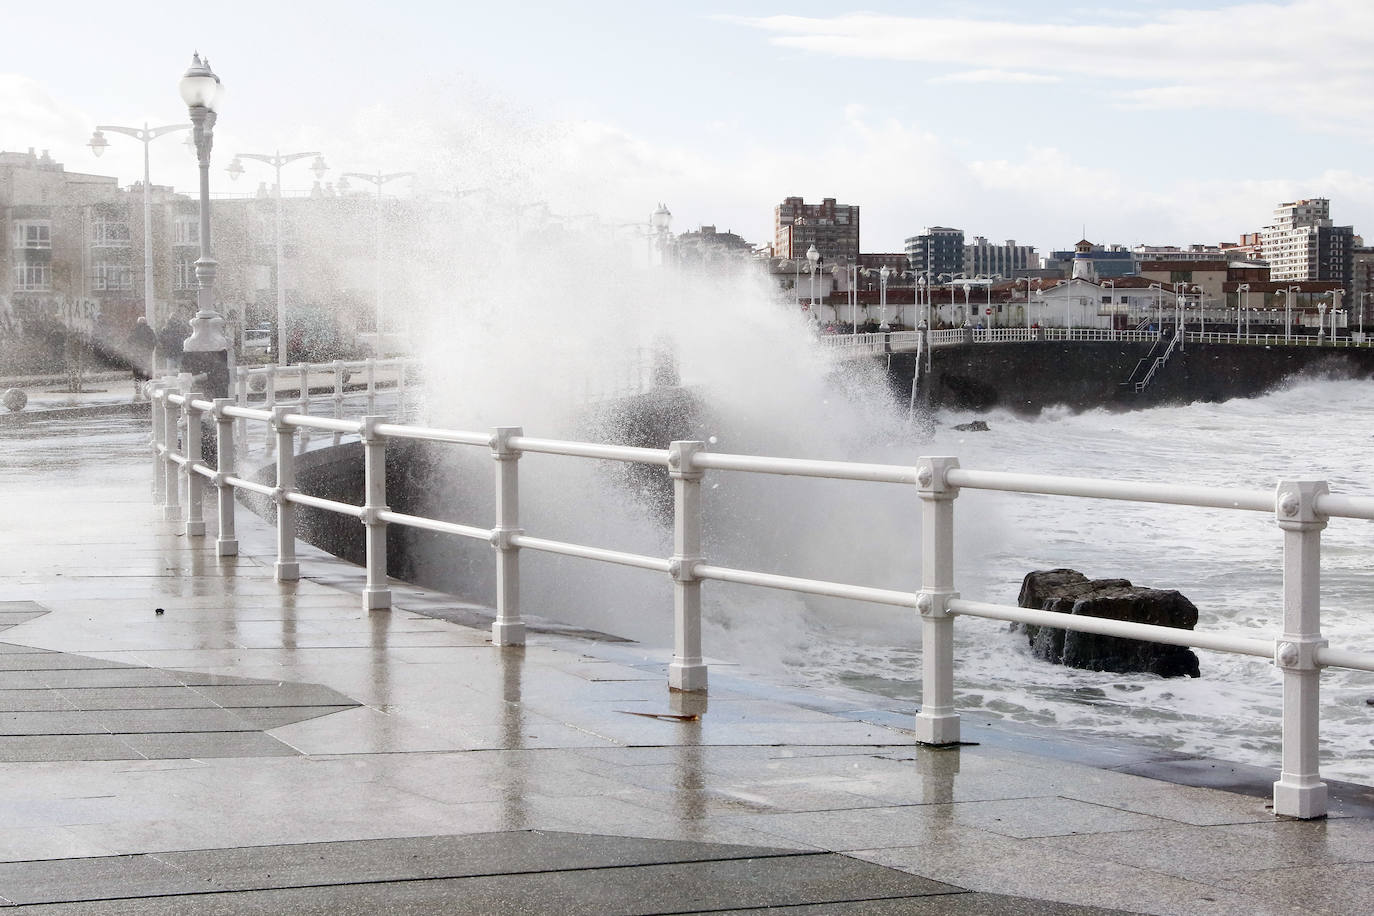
{"x":226,"y":544}
{"x":287,"y":569}
{"x":376,"y":593}
{"x":158,"y":409}
{"x":509,"y":628}
{"x":195,"y":483}
{"x":687,"y":671}
{"x":171,"y":487}
{"x":338,"y":395}
{"x":371,"y":386}
{"x":1299,"y":791}
{"x":270,"y":404}
{"x":937,"y":722}
{"x":241,"y":399}
{"x":303,"y":407}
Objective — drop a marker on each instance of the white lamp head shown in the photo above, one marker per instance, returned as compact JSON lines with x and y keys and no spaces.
{"x":200,"y":88}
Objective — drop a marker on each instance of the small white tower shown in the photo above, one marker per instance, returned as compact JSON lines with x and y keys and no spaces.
{"x":1083,"y":267}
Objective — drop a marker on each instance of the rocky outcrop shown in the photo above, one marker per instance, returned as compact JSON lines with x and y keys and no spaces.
{"x":1068,"y":591}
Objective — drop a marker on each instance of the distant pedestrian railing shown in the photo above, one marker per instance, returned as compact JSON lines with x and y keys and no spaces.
{"x":1301,"y":509}
{"x":333,"y":388}
{"x":856,"y":345}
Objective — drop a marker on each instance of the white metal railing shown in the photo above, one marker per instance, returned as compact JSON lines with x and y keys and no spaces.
{"x":342,"y":386}
{"x":855,"y":345}
{"x":1159,"y":363}
{"x":1300,"y":508}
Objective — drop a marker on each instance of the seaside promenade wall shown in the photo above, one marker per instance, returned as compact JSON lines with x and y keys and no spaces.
{"x":1029,"y":377}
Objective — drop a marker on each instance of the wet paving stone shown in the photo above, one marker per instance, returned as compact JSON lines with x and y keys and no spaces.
{"x":58,"y":706}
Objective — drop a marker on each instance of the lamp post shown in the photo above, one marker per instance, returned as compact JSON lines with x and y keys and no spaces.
{"x":1159,"y":306}
{"x":659,"y":220}
{"x":1288,"y":294}
{"x":380,"y":179}
{"x":277,"y":160}
{"x":814,"y":257}
{"x":146,"y":135}
{"x":1243,"y":309}
{"x":988,"y":290}
{"x":206,"y":348}
{"x":883,"y":274}
{"x":1337,"y":298}
{"x":1068,"y":316}
{"x":923,"y":295}
{"x":1111,"y":310}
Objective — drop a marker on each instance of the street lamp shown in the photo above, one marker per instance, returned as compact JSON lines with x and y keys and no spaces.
{"x":883,"y":274}
{"x":1288,"y":293}
{"x":201,"y":91}
{"x":380,"y":179}
{"x":1028,"y":282}
{"x":1111,"y":310}
{"x":988,"y":289}
{"x":1243,"y":309}
{"x":1337,"y":297}
{"x":923,"y":294}
{"x":814,"y":257}
{"x":277,"y":160}
{"x":146,"y":135}
{"x":659,"y":221}
{"x":1159,"y":306}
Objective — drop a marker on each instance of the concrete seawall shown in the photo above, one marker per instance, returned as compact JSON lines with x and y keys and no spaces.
{"x":1029,"y":377}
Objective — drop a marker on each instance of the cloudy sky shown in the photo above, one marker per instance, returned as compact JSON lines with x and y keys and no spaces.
{"x":1168,"y":122}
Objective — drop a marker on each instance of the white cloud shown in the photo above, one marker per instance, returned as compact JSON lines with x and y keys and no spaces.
{"x":1309,"y":60}
{"x":994,"y":76}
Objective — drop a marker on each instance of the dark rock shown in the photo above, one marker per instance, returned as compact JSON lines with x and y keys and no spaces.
{"x":1068,"y":591}
{"x":977,"y":426}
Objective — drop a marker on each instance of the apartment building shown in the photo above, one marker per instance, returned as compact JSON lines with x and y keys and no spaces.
{"x":1304,"y":244}
{"x":937,"y":250}
{"x":833,"y":228}
{"x":984,"y":259}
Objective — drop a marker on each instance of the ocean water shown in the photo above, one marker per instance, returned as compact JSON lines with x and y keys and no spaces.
{"x":1227,"y":562}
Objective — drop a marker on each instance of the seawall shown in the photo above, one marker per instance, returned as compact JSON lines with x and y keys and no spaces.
{"x":1029,"y":377}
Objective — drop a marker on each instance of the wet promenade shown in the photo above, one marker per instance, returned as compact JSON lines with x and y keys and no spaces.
{"x":182,"y":734}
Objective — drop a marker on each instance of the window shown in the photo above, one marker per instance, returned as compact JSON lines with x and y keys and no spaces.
{"x":33,"y":233}
{"x":109,"y":235}
{"x":112,"y":277}
{"x":184,"y":274}
{"x":32,"y":278}
{"x":187,"y":230}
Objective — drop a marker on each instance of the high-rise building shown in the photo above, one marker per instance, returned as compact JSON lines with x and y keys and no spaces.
{"x":1302,"y":244}
{"x":833,"y":228}
{"x":937,"y":250}
{"x":984,"y":259}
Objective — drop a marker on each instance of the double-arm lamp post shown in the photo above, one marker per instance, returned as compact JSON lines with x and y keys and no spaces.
{"x":145,"y":135}
{"x":277,"y":160}
{"x":378,"y":179}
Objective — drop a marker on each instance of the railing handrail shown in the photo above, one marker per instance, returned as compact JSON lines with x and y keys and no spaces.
{"x":1301,"y":509}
